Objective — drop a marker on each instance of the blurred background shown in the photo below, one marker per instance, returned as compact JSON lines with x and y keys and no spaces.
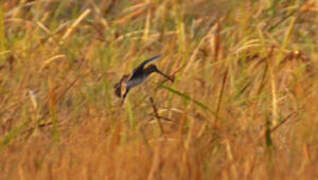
{"x":243,"y":104}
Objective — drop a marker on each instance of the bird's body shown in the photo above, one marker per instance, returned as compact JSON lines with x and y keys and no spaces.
{"x":138,"y":76}
{"x":136,"y":81}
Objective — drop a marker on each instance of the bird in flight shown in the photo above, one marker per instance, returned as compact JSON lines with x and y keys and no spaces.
{"x":138,"y":75}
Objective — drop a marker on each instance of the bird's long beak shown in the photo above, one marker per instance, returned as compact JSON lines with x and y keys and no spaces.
{"x":166,"y":76}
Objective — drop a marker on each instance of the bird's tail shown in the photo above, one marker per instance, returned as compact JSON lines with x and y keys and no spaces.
{"x":117,"y":89}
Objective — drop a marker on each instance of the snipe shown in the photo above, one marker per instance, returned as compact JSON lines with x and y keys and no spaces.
{"x":138,"y":75}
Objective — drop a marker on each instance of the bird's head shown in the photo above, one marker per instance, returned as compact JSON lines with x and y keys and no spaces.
{"x":153,"y":68}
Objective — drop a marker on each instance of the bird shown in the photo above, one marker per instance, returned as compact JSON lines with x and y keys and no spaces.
{"x":138,"y":75}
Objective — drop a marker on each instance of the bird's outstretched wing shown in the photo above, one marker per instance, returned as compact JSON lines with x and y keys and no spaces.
{"x":140,"y":67}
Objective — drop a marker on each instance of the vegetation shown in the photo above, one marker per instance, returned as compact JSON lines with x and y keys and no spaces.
{"x":243,"y":104}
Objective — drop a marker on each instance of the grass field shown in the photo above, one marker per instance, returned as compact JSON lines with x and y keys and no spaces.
{"x":244,"y":103}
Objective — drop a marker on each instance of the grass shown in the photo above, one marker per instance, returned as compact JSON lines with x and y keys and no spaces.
{"x":243,"y":104}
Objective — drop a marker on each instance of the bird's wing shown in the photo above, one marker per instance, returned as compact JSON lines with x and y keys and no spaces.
{"x":141,"y":66}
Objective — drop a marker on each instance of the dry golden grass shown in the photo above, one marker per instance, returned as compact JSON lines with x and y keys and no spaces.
{"x":244,"y":104}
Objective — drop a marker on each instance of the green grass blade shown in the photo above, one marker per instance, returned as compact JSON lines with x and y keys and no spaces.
{"x":2,"y":36}
{"x":189,"y":98}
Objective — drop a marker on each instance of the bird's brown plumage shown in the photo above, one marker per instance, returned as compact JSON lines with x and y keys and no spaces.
{"x":120,"y":87}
